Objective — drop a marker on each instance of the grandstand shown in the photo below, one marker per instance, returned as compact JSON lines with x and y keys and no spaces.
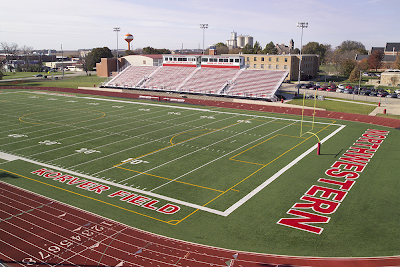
{"x":210,"y":75}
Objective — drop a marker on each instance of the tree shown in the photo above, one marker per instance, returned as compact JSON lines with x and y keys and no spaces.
{"x":352,"y":45}
{"x":10,"y":49}
{"x":129,"y":52}
{"x":96,"y":55}
{"x":221,"y":48}
{"x":375,"y":59}
{"x":247,"y":49}
{"x":270,"y":48}
{"x":347,"y":67}
{"x":396,"y":64}
{"x":317,"y":49}
{"x":363,"y":65}
{"x":296,"y":51}
{"x":355,"y":74}
{"x":236,"y":50}
{"x":150,"y":50}
{"x":257,"y":49}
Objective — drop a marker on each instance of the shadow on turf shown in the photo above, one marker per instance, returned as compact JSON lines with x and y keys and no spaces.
{"x":7,"y":175}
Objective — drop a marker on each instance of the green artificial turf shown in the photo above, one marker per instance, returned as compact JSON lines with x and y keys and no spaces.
{"x":211,"y":158}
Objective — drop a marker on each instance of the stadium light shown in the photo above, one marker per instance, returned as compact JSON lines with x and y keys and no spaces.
{"x":301,"y":25}
{"x":117,"y":29}
{"x":203,"y":26}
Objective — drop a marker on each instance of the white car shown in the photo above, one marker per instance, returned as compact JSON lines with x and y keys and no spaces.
{"x":340,"y":86}
{"x":338,"y":90}
{"x":397,"y":91}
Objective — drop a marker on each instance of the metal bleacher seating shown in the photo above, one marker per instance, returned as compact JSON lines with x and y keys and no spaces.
{"x":167,"y":78}
{"x":257,"y":83}
{"x":132,"y":76}
{"x":209,"y":80}
{"x":216,"y":81}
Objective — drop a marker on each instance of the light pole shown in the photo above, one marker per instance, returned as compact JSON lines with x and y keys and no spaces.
{"x":203,"y":26}
{"x":117,"y":29}
{"x":301,"y":25}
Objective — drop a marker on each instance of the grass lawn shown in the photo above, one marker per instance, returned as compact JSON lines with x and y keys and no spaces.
{"x":338,"y":106}
{"x":17,"y":75}
{"x":67,"y":82}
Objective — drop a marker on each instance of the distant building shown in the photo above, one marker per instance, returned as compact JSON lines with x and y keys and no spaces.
{"x":108,"y":66}
{"x":309,"y":68}
{"x":390,"y":78}
{"x":239,"y":41}
{"x":284,"y":49}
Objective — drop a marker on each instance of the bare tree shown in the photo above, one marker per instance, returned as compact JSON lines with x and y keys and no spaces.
{"x":26,"y":50}
{"x":10,"y":49}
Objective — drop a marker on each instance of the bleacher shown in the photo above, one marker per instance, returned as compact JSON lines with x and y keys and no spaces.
{"x":167,"y":78}
{"x":209,"y":80}
{"x":132,"y":76}
{"x":257,"y":83}
{"x":222,"y":81}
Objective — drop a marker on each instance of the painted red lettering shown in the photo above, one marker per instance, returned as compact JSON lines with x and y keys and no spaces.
{"x":120,"y":193}
{"x":366,"y":151}
{"x":99,"y":189}
{"x":304,"y":220}
{"x":52,"y":174}
{"x":169,"y":209}
{"x":149,"y":205}
{"x":343,"y":185}
{"x":75,"y":181}
{"x":327,"y":192}
{"x":128,"y":197}
{"x":64,"y":178}
{"x":354,"y":158}
{"x":139,"y":200}
{"x":348,"y":166}
{"x":318,"y":205}
{"x":342,"y":174}
{"x":86,"y":185}
{"x":41,"y":171}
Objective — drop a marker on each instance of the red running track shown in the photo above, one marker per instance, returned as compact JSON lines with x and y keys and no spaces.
{"x":37,"y":231}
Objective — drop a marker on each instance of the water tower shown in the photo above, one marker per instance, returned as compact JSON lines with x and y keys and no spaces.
{"x":128,"y":37}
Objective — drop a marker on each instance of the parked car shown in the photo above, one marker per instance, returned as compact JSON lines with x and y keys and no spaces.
{"x":373,"y":94}
{"x":330,"y":89}
{"x":322,"y":88}
{"x":365,"y":92}
{"x":340,"y":86}
{"x":382,"y":94}
{"x":339,"y":90}
{"x":39,"y":75}
{"x":349,"y":87}
{"x":347,"y":91}
{"x":397,"y":91}
{"x":391,"y":95}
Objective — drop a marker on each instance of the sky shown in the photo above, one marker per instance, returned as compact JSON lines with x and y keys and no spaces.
{"x":171,"y":24}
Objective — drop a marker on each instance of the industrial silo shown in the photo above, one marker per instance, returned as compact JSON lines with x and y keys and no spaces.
{"x":248,"y":40}
{"x":240,"y":41}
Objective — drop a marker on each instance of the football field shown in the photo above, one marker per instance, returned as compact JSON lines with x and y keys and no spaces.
{"x":232,"y":178}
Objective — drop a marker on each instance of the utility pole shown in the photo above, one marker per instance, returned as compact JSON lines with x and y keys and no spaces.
{"x":301,"y":25}
{"x":203,"y":26}
{"x":117,"y":29}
